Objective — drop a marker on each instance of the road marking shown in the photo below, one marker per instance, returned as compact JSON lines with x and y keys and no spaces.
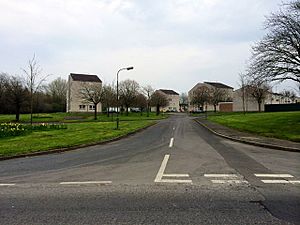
{"x":175,"y":175}
{"x":160,"y":174}
{"x":85,"y":182}
{"x":5,"y":185}
{"x":221,"y":175}
{"x":275,"y":181}
{"x":229,"y":181}
{"x":175,"y":181}
{"x":171,"y":143}
{"x":273,"y":175}
{"x":162,"y":168}
{"x":295,"y":181}
{"x":173,"y":128}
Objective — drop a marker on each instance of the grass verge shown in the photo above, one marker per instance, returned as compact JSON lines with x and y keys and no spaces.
{"x":75,"y":134}
{"x":282,"y":125}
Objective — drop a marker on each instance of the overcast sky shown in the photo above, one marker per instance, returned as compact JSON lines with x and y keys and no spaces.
{"x":171,"y":44}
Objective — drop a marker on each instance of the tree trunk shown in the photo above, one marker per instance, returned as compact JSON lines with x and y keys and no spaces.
{"x":157,"y":110}
{"x":148,"y":109}
{"x":259,"y":106}
{"x":17,"y":112}
{"x":127,"y":111}
{"x":215,"y":108}
{"x":107,"y":110}
{"x":95,"y":112}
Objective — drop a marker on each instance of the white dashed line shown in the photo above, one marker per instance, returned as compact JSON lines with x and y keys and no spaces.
{"x":275,"y":181}
{"x":6,"y":185}
{"x":229,"y":181}
{"x":273,"y":175}
{"x":221,"y":175}
{"x":175,"y":175}
{"x":85,"y":182}
{"x":173,"y":128}
{"x":171,"y":143}
{"x":174,"y":181}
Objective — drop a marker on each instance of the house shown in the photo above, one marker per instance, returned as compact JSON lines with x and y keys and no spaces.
{"x":210,"y":86}
{"x":173,"y":100}
{"x":75,"y":102}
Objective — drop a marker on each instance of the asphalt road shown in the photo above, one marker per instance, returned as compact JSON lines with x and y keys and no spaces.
{"x":175,"y":172}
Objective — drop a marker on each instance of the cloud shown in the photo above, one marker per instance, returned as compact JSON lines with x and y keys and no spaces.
{"x":172,"y":44}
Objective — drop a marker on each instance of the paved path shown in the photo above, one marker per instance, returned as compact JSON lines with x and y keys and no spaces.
{"x":175,"y":172}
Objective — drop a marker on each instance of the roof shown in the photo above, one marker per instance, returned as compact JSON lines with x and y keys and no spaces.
{"x":218,"y":85}
{"x":85,"y":77}
{"x":169,"y":92}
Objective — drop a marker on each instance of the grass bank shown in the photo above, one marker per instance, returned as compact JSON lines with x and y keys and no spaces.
{"x":79,"y":117}
{"x":75,"y":134}
{"x":282,"y":125}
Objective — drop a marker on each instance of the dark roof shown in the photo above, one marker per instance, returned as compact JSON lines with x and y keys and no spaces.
{"x":218,"y":85}
{"x":169,"y":92}
{"x":85,"y":77}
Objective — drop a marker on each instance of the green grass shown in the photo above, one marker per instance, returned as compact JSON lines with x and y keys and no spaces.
{"x":78,"y":117}
{"x":75,"y":134}
{"x":283,"y":125}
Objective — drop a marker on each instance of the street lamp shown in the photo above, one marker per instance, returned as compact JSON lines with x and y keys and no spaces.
{"x":126,"y":68}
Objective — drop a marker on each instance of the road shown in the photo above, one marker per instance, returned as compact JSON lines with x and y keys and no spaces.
{"x":174,"y":172}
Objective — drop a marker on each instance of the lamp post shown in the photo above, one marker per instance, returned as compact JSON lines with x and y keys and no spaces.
{"x":126,"y":68}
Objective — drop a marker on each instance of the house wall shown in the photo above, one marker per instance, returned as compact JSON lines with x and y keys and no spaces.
{"x":74,"y":102}
{"x":173,"y":104}
{"x":251,"y":104}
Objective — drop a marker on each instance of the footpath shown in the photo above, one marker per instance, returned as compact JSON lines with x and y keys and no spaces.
{"x":248,"y":138}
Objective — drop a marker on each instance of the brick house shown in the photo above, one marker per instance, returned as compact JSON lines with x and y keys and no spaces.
{"x":75,"y":103}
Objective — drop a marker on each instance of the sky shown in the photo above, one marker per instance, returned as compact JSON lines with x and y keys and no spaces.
{"x":172,"y":44}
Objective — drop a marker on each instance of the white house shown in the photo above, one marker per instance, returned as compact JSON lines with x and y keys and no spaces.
{"x":75,"y":103}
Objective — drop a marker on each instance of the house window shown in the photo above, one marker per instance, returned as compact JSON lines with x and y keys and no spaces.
{"x":91,"y":107}
{"x":81,"y":107}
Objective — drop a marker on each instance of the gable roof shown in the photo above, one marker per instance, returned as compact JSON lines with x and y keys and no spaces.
{"x":85,"y":77}
{"x":218,"y":85}
{"x":168,"y":92}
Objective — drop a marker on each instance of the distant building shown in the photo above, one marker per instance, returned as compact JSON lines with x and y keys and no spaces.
{"x":213,"y":85}
{"x":75,"y":103}
{"x":173,"y":100}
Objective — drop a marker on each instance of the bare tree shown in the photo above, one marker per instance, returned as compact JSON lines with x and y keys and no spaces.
{"x":109,"y":97}
{"x":183,"y":101}
{"x":57,"y":89}
{"x":277,"y":56}
{"x":129,"y":90}
{"x":92,"y":93}
{"x":158,"y":100}
{"x":244,"y":94}
{"x":200,"y":97}
{"x":148,"y":91}
{"x":141,"y":102}
{"x":217,"y":95}
{"x":34,"y":80}
{"x":259,"y":90}
{"x":17,"y":93}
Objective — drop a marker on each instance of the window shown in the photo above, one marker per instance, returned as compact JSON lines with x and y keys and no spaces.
{"x":91,"y":107}
{"x":82,"y":107}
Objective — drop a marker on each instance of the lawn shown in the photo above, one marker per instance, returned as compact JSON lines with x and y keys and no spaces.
{"x":75,"y":134}
{"x":79,"y":117}
{"x":283,"y":125}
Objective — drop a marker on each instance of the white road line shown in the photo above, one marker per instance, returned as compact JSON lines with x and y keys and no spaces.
{"x":295,"y":181}
{"x":275,"y":181}
{"x":5,"y":185}
{"x":173,"y":128}
{"x":175,"y":181}
{"x":162,"y":168}
{"x":171,"y":143}
{"x":272,"y":175}
{"x":229,"y":181}
{"x":86,"y":182}
{"x":176,"y":175}
{"x":221,"y":175}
